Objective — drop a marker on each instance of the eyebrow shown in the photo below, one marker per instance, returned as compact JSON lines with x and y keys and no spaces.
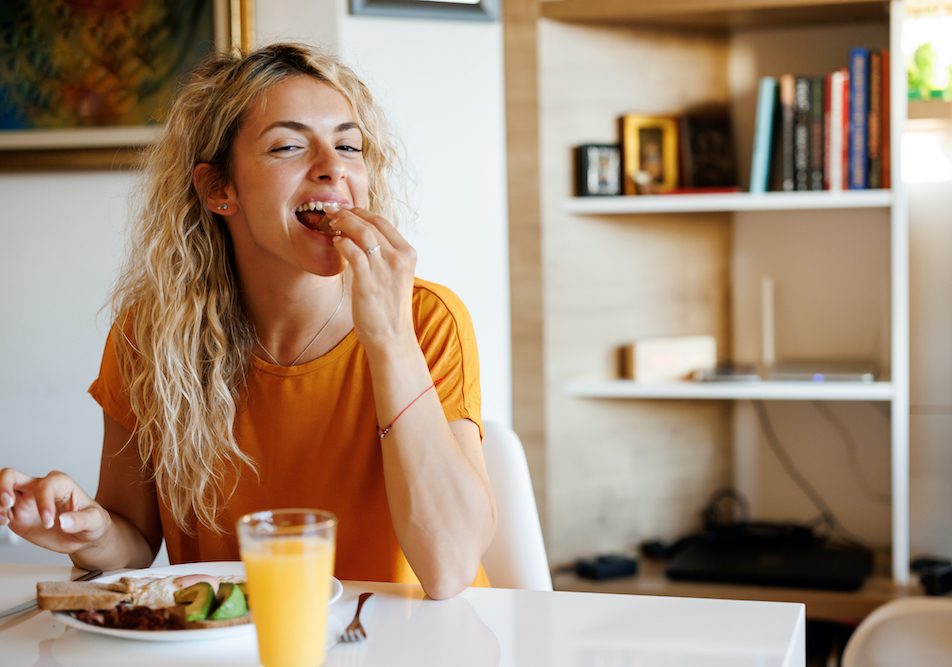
{"x":301,"y":127}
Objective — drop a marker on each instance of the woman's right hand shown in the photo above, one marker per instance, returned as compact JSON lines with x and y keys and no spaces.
{"x":52,"y":512}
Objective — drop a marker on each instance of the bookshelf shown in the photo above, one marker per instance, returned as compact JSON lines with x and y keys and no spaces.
{"x":730,"y":202}
{"x":615,"y":462}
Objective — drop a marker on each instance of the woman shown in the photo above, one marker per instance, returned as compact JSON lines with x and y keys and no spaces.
{"x":273,"y":349}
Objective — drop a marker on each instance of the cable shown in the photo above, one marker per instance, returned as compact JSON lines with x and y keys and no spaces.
{"x":827,"y":516}
{"x":851,"y":448}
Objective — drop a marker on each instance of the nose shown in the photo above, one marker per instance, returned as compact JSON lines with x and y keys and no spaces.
{"x":327,"y":165}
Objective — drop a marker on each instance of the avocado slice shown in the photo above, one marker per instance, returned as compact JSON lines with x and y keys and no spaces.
{"x":197,"y":600}
{"x":231,"y":603}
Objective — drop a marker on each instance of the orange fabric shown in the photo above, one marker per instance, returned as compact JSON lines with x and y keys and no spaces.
{"x":312,"y":431}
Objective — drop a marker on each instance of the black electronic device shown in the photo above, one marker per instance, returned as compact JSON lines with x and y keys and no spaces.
{"x":606,"y":567}
{"x":769,"y":554}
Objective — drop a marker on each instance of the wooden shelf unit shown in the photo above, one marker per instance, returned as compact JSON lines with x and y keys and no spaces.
{"x":596,"y":272}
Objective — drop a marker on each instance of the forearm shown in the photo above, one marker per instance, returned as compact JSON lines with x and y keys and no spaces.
{"x":121,"y":546}
{"x":440,"y":499}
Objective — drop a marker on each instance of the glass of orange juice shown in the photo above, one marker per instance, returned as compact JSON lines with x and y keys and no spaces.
{"x":289,"y":557}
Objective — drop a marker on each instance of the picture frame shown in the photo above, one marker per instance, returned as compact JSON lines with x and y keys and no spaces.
{"x":649,"y":153}
{"x":77,"y":109}
{"x":706,"y":145}
{"x":466,"y":10}
{"x":597,"y":170}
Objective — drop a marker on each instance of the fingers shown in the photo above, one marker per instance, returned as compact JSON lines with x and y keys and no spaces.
{"x":10,"y":479}
{"x":386,"y":229}
{"x":355,"y":225}
{"x":53,"y":493}
{"x":90,"y":520}
{"x":27,"y":500}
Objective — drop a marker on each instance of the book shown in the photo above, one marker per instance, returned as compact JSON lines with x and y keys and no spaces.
{"x":667,"y":359}
{"x":787,"y":86}
{"x":838,"y":129}
{"x":886,"y":147}
{"x":802,"y":119}
{"x":763,"y":133}
{"x":827,"y":126}
{"x":874,"y":121}
{"x":817,"y":132}
{"x":859,"y":108}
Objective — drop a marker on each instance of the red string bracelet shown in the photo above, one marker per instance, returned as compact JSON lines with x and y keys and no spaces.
{"x":382,"y":432}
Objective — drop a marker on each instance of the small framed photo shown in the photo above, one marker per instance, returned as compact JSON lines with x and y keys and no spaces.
{"x":707,"y":149}
{"x":597,"y":170}
{"x":649,"y":154}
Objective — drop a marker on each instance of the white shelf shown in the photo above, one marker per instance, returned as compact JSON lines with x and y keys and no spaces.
{"x":730,"y":202}
{"x":756,"y":390}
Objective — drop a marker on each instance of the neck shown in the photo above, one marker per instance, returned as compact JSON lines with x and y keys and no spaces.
{"x":287,"y":316}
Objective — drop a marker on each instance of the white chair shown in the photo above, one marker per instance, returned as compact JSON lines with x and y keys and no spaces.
{"x":516,"y":558}
{"x":911,"y":632}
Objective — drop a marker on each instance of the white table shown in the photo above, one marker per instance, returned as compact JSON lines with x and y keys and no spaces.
{"x":479,"y":627}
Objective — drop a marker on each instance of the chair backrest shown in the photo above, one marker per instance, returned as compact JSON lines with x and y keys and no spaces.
{"x":516,"y":558}
{"x":912,"y":632}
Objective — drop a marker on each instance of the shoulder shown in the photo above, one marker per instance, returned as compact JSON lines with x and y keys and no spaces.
{"x":438,"y":313}
{"x":429,"y":296}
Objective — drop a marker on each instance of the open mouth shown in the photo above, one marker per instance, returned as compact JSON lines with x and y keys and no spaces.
{"x":312,"y":215}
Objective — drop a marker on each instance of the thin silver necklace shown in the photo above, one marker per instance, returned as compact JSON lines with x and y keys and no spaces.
{"x":313,"y":338}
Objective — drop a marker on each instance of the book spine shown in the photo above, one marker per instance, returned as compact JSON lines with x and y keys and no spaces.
{"x":802,"y":120}
{"x":827,"y":128}
{"x":845,"y":131}
{"x":787,"y":86}
{"x":874,"y":121}
{"x":835,"y":150}
{"x":886,"y":147}
{"x":817,"y":132}
{"x":859,"y":110}
{"x":763,"y":131}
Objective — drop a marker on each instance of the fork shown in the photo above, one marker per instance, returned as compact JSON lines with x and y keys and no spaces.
{"x":355,"y":632}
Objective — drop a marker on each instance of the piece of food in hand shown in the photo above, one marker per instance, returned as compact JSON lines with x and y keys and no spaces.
{"x":72,"y":595}
{"x":195,"y":602}
{"x":231,"y":603}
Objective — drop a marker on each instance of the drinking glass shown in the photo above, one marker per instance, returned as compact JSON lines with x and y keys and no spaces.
{"x":289,"y":557}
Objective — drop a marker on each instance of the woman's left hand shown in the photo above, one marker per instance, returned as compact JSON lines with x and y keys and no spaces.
{"x":383,"y":265}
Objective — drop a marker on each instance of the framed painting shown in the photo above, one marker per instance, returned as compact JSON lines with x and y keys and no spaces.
{"x":85,"y":85}
{"x":649,"y":147}
{"x":467,"y":10}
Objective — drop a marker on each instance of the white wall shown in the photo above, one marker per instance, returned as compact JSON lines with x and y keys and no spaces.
{"x":63,"y":233}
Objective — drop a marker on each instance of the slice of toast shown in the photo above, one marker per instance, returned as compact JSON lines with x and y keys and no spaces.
{"x":78,"y":595}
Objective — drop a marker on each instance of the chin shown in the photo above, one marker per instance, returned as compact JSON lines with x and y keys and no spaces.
{"x":328,"y":262}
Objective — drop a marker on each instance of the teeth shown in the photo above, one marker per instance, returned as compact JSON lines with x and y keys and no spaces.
{"x":331,"y":206}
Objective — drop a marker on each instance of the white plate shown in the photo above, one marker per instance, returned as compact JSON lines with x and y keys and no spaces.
{"x":220,"y":569}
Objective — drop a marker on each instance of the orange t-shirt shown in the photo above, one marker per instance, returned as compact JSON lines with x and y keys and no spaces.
{"x":312,"y":432}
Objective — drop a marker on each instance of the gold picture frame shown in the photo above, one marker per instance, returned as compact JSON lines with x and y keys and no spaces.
{"x":103,"y":146}
{"x":649,"y":154}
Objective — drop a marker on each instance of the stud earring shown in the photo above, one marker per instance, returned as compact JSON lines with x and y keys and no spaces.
{"x":223,"y":207}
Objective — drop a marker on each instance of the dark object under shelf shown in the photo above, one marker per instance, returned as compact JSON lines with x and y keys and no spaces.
{"x":606,"y":567}
{"x":767,"y":554}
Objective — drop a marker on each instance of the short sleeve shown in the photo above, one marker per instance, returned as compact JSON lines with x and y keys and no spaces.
{"x":108,"y":389}
{"x":445,"y":332}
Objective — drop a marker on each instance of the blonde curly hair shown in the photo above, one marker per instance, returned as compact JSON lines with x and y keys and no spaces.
{"x":186,"y":342}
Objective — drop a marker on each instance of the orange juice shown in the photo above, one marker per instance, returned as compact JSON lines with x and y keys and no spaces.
{"x":289,"y":583}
